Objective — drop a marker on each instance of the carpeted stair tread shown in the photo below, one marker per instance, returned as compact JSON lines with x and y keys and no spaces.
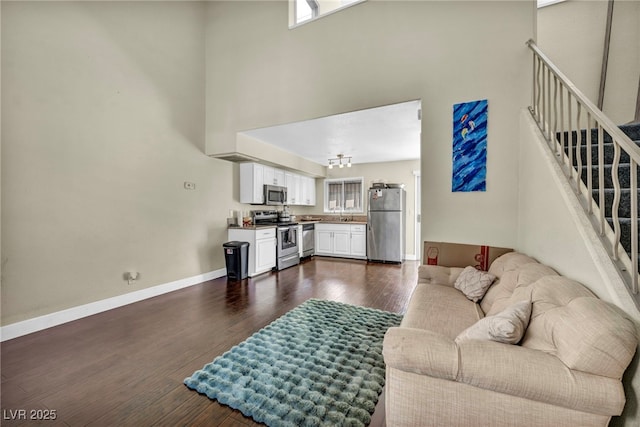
{"x":625,"y":232}
{"x":623,"y":175}
{"x":608,"y":153}
{"x":624,"y":210}
{"x":631,"y":130}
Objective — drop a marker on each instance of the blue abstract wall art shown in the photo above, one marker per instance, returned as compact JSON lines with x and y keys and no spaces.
{"x":470,"y":146}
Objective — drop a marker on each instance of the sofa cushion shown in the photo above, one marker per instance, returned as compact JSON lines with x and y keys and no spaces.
{"x":507,"y":327}
{"x":473,"y":283}
{"x":509,"y":261}
{"x":498,"y":297}
{"x":421,"y":352}
{"x":441,"y":309}
{"x":438,"y":275}
{"x":505,"y":268}
{"x":584,"y":332}
{"x":517,"y":371}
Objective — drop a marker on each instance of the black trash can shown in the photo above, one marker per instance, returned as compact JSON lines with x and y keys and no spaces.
{"x":236,"y":255}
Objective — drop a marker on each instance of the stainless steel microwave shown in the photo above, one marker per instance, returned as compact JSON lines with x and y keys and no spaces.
{"x":275,"y":195}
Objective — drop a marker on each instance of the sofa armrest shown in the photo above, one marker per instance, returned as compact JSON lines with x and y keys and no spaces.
{"x":438,"y":274}
{"x":538,"y":376}
{"x":421,"y":352}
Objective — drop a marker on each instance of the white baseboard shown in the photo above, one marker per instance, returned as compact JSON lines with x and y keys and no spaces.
{"x":410,"y":257}
{"x":36,"y":324}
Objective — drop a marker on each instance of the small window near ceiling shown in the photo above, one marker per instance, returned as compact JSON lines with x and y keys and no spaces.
{"x":343,"y":195}
{"x":544,"y":3}
{"x":302,"y":11}
{"x":306,"y":10}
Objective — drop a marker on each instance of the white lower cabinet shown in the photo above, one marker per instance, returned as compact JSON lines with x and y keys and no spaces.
{"x":324,"y":240}
{"x":262,"y":247}
{"x":341,"y":240}
{"x":359,"y":241}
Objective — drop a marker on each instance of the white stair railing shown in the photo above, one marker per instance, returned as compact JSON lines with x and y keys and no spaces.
{"x":561,"y":111}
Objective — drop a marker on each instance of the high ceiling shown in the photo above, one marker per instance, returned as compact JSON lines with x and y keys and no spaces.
{"x":381,"y":134}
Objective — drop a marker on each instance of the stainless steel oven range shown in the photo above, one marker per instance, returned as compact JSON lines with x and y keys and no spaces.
{"x":287,"y":252}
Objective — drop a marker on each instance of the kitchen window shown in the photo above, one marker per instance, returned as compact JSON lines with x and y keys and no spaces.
{"x":343,"y":195}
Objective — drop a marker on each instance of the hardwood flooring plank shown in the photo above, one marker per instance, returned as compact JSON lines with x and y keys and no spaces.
{"x":145,"y":404}
{"x":191,"y":410}
{"x":126,"y":366}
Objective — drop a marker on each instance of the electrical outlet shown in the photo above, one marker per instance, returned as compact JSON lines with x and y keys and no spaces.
{"x":131,"y":276}
{"x":189,"y":185}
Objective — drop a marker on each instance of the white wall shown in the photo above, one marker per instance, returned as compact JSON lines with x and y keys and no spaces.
{"x":259,"y":74}
{"x":572,"y":34}
{"x":103,"y":121}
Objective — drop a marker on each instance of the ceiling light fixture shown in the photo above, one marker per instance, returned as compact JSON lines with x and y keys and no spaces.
{"x":339,"y":161}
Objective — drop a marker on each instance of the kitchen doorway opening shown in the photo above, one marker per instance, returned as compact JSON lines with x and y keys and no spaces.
{"x":383,"y":144}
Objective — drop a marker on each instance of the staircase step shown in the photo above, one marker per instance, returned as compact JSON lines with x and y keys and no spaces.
{"x":608,"y":152}
{"x":623,"y":175}
{"x":631,"y":130}
{"x":624,"y":210}
{"x":625,"y":232}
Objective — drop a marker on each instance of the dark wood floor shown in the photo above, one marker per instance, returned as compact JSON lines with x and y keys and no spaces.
{"x":126,"y":367}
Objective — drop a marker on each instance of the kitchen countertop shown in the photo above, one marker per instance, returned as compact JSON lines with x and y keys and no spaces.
{"x":301,"y":222}
{"x":332,"y":219}
{"x":252,"y":227}
{"x":342,"y":222}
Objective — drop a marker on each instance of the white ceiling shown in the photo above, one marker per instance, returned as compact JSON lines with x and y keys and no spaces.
{"x":381,"y":134}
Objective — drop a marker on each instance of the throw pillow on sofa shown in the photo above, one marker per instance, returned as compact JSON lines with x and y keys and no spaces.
{"x":507,"y":327}
{"x":474,"y":283}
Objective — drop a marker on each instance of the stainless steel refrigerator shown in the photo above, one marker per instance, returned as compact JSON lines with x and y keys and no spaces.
{"x":386,"y":224}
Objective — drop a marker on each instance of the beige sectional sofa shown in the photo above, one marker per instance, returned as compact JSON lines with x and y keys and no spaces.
{"x":565,"y":371}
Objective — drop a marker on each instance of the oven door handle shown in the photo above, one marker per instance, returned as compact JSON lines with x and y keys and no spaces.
{"x":290,"y":257}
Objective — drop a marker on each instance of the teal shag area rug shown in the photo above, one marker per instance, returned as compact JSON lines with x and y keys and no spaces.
{"x":318,"y":365}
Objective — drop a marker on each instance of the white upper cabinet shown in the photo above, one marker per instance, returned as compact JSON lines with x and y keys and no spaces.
{"x":292,"y":182}
{"x":273,"y":176}
{"x":251,"y":183}
{"x":278,"y":178}
{"x":301,"y":190}
{"x":269,"y":176}
{"x":308,"y":191}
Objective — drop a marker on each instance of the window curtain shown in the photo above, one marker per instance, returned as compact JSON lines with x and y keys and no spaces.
{"x":343,"y":195}
{"x":335,"y":196}
{"x":353,"y":196}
